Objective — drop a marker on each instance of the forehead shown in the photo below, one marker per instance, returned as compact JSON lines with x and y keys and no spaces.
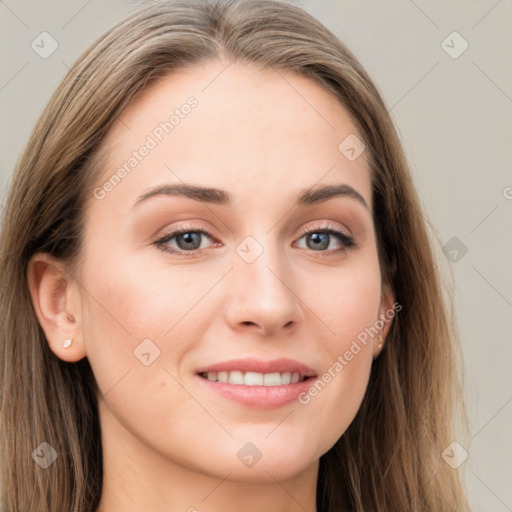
{"x":236,"y":127}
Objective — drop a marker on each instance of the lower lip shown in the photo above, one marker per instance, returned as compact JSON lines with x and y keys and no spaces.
{"x":260,"y":396}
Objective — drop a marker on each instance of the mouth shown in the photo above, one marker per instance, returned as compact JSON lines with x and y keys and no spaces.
{"x":257,"y":372}
{"x":255,"y":378}
{"x":258,"y":383}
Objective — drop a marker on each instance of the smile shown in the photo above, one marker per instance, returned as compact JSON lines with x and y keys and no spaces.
{"x":254,"y":378}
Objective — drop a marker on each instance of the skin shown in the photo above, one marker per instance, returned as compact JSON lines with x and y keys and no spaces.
{"x":168,"y":442}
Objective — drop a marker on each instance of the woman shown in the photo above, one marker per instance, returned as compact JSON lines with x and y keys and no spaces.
{"x":218,"y":287}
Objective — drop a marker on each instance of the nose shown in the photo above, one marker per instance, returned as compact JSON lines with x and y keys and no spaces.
{"x":262,"y":295}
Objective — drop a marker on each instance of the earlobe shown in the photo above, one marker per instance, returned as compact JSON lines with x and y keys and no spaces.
{"x":56,"y":300}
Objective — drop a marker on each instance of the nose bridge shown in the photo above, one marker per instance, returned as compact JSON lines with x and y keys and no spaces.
{"x":261,"y":288}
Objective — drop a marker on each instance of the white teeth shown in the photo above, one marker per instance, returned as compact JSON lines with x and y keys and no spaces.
{"x":286,"y":377}
{"x":236,"y":377}
{"x":254,"y":378}
{"x":272,"y":379}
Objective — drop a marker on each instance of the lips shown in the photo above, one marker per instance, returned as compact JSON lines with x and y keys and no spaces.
{"x":257,"y":383}
{"x":260,"y":366}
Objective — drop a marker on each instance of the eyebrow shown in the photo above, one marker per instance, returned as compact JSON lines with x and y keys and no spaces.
{"x":221,"y":197}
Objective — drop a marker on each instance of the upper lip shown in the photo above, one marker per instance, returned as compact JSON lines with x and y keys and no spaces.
{"x":260,"y":366}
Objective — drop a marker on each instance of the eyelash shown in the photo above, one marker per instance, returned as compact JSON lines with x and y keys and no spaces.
{"x":347,"y":241}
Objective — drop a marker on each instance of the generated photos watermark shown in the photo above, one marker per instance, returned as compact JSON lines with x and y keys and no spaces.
{"x":344,"y":359}
{"x":156,"y":136}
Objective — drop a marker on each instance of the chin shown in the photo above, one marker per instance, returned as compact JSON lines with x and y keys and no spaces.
{"x":263,"y":461}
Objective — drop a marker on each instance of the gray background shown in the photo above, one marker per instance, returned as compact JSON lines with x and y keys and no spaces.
{"x":454,"y":116}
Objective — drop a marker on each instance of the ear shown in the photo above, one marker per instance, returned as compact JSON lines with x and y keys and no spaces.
{"x":387,"y":310}
{"x":56,"y":299}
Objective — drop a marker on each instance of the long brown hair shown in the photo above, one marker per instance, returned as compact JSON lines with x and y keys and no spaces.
{"x":389,"y":459}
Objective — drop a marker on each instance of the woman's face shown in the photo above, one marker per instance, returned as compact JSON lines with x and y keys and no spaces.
{"x":246,"y":282}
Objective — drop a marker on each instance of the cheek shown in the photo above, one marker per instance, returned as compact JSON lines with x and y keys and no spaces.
{"x":348,"y":311}
{"x":141,"y":296}
{"x":132,"y":308}
{"x":346,"y":300}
